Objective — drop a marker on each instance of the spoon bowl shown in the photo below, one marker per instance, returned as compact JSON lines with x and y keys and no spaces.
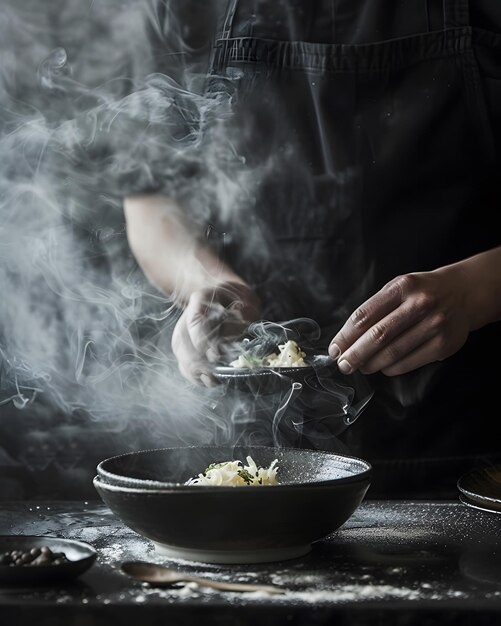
{"x":161,"y":576}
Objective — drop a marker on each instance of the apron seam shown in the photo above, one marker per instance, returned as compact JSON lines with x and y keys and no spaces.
{"x":271,"y":53}
{"x":380,"y":69}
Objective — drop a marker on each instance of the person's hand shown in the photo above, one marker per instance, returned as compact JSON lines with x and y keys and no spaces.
{"x":211,"y":317}
{"x":414,"y":320}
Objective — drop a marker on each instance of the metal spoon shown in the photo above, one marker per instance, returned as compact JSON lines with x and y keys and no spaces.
{"x":160,"y":576}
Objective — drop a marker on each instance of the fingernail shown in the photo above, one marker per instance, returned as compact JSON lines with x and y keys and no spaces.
{"x":334,"y":351}
{"x":212,"y":355}
{"x":344,"y":367}
{"x":206,"y":380}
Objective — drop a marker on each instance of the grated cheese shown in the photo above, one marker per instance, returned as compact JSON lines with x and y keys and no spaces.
{"x":236,"y":474}
{"x":290,"y":355}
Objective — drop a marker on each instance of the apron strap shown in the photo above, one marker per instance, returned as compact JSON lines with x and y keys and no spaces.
{"x":229,"y":18}
{"x":456,"y":13}
{"x":223,"y":35}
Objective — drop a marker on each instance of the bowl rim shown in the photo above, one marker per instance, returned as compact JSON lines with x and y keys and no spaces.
{"x":154,"y":486}
{"x":227,"y":371}
{"x":463,"y":484}
{"x":175,"y":488}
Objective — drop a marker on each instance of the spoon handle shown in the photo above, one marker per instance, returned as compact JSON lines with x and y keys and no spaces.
{"x":224,"y":586}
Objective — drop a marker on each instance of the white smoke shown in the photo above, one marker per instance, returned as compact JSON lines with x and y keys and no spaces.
{"x":87,"y":116}
{"x":100,"y":99}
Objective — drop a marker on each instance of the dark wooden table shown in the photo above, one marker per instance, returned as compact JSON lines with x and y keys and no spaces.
{"x":393,"y":562}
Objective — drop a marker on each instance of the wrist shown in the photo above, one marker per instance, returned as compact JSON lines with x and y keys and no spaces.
{"x":482,"y":276}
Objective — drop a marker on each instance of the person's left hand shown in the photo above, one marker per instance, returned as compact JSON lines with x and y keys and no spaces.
{"x":213,"y":316}
{"x":413,"y":320}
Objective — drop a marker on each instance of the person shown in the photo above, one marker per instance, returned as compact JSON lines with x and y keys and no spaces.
{"x":371,"y":135}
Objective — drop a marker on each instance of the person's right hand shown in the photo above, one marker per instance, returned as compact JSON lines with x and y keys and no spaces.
{"x":420,"y":318}
{"x":211,"y":317}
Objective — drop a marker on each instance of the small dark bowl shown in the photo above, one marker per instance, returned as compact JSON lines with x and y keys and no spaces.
{"x":80,"y":557}
{"x":317,"y":493}
{"x":263,"y":380}
{"x":266,"y":380}
{"x":481,"y":488}
{"x":316,"y":393}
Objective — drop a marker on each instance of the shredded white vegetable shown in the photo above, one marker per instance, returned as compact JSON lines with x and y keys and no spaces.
{"x":290,"y":355}
{"x":236,"y":474}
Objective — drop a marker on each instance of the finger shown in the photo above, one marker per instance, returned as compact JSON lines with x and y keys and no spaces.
{"x":197,"y":374}
{"x":379,"y":337}
{"x":191,"y":375}
{"x":208,"y":326}
{"x":203,"y":323}
{"x":212,"y":355}
{"x":373,"y":310}
{"x":190,"y":362}
{"x":423,"y":355}
{"x":208,"y":380}
{"x":398,"y":349}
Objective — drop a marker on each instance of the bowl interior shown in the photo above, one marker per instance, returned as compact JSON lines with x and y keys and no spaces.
{"x":168,"y":467}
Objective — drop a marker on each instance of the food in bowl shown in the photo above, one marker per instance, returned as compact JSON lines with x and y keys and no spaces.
{"x":236,"y":474}
{"x":34,"y":559}
{"x":39,"y":555}
{"x":289,"y":355}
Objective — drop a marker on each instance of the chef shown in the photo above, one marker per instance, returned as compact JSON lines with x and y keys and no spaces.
{"x":371,"y":134}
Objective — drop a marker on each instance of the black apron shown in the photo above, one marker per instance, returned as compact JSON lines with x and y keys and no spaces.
{"x":369,"y":153}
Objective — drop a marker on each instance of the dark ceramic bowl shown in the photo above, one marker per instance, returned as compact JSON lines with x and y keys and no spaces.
{"x":317,"y":493}
{"x":263,"y":380}
{"x":320,"y":392}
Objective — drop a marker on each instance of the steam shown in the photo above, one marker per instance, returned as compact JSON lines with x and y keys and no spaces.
{"x":100,"y":99}
{"x":308,"y":406}
{"x":86,"y":118}
{"x":94,"y":106}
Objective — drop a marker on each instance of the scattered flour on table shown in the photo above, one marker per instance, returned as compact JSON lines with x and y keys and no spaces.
{"x":343,"y":593}
{"x":112,"y":553}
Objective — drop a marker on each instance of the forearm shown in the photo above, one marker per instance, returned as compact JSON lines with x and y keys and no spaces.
{"x":482,"y":274}
{"x":173,"y":256}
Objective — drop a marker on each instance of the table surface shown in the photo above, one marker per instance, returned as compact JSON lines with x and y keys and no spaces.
{"x":391,"y":561}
